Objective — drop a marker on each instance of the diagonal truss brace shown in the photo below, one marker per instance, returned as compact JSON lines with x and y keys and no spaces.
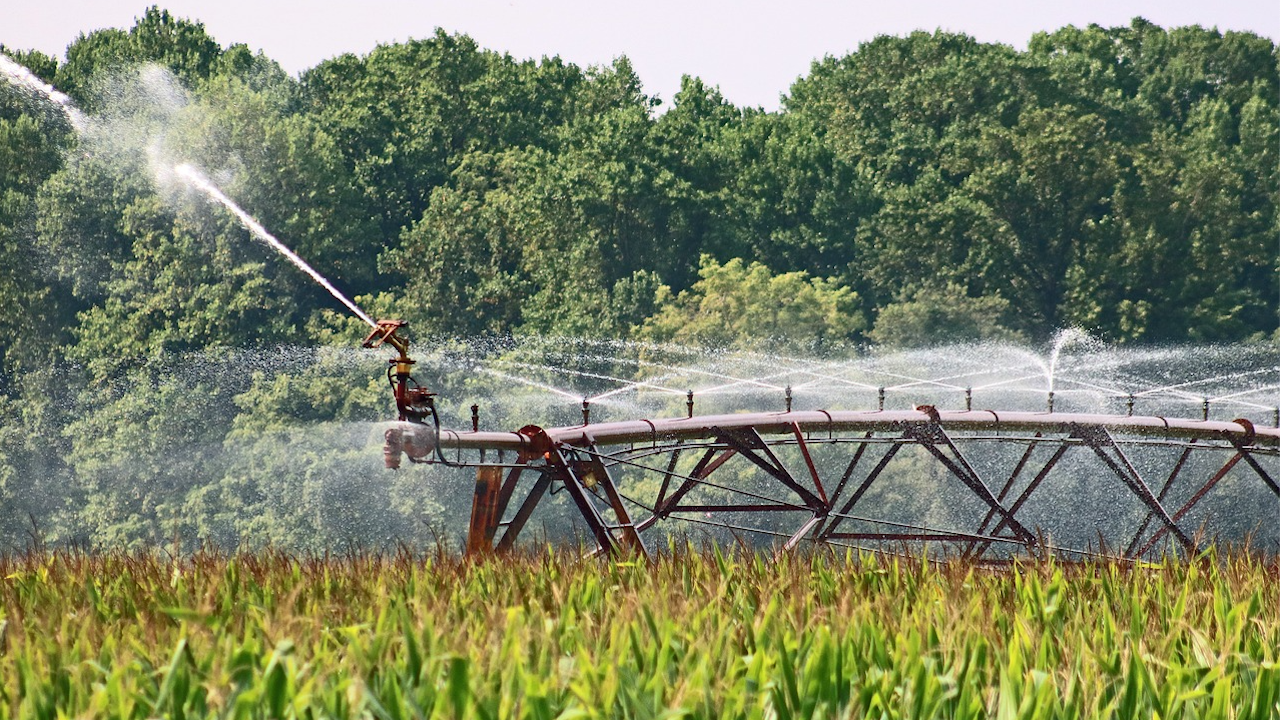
{"x":939,"y":444}
{"x":1106,"y":448}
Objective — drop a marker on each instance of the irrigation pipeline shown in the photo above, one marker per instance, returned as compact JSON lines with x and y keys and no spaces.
{"x":821,"y":422}
{"x":582,"y":460}
{"x":993,"y":519}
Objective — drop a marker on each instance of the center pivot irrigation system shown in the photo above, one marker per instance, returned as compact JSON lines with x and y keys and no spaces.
{"x":813,"y":475}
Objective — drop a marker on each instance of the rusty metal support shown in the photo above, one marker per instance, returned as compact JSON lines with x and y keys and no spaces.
{"x":484,"y":504}
{"x":1242,"y":446}
{"x":1100,"y":441}
{"x":1164,"y":492}
{"x":631,"y":539}
{"x":586,"y":459}
{"x":526,"y":509}
{"x":844,"y":480}
{"x":808,"y":461}
{"x":705,"y":467}
{"x":848,"y":471}
{"x":1195,"y":499}
{"x":862,"y":488}
{"x":750,"y":445}
{"x":562,"y":458}
{"x":666,"y":477}
{"x":1022,"y":499}
{"x":931,"y":435}
{"x":1004,"y":491}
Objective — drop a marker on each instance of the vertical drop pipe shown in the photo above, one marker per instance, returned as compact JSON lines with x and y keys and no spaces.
{"x":788,"y":392}
{"x":689,"y":403}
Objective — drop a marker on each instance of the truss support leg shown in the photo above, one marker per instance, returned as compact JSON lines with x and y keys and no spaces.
{"x":1164,"y":492}
{"x":931,"y":436}
{"x":1195,"y":500}
{"x":576,"y":486}
{"x":747,"y":442}
{"x":1026,"y":495}
{"x":631,"y":539}
{"x":521,"y":517}
{"x":1100,"y":441}
{"x":483,"y":510}
{"x":707,"y":465}
{"x":862,"y":489}
{"x":1243,"y":449}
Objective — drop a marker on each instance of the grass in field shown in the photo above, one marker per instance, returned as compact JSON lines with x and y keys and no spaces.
{"x":699,"y":634}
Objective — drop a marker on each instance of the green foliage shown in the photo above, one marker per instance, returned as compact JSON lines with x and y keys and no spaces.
{"x":740,"y":303}
{"x":941,"y":316}
{"x":710,"y":634}
{"x":180,"y":45}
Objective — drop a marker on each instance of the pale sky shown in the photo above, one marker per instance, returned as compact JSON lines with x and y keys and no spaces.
{"x":752,"y":50}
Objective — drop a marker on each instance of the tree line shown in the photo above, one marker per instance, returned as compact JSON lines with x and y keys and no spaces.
{"x":921,"y":189}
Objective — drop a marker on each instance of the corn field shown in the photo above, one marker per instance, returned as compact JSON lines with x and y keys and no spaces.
{"x":700,"y":633}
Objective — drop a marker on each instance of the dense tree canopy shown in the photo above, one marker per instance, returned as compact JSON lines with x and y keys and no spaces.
{"x":922,"y":188}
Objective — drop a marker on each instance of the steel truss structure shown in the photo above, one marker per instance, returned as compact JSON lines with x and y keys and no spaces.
{"x":610,"y":472}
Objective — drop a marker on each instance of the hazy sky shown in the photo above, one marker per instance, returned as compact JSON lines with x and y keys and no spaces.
{"x":752,"y":50}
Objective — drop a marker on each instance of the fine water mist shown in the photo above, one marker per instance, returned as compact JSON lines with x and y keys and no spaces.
{"x":624,"y":380}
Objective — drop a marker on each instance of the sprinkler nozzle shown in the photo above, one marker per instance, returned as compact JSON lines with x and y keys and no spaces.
{"x":385,"y":333}
{"x":416,"y":441}
{"x":392,"y":447}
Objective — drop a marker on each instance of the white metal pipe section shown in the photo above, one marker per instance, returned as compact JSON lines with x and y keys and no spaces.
{"x":822,"y":421}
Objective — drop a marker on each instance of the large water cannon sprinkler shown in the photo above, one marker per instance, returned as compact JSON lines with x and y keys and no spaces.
{"x":419,"y":425}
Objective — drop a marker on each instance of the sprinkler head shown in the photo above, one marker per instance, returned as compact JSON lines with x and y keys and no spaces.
{"x":385,"y":332}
